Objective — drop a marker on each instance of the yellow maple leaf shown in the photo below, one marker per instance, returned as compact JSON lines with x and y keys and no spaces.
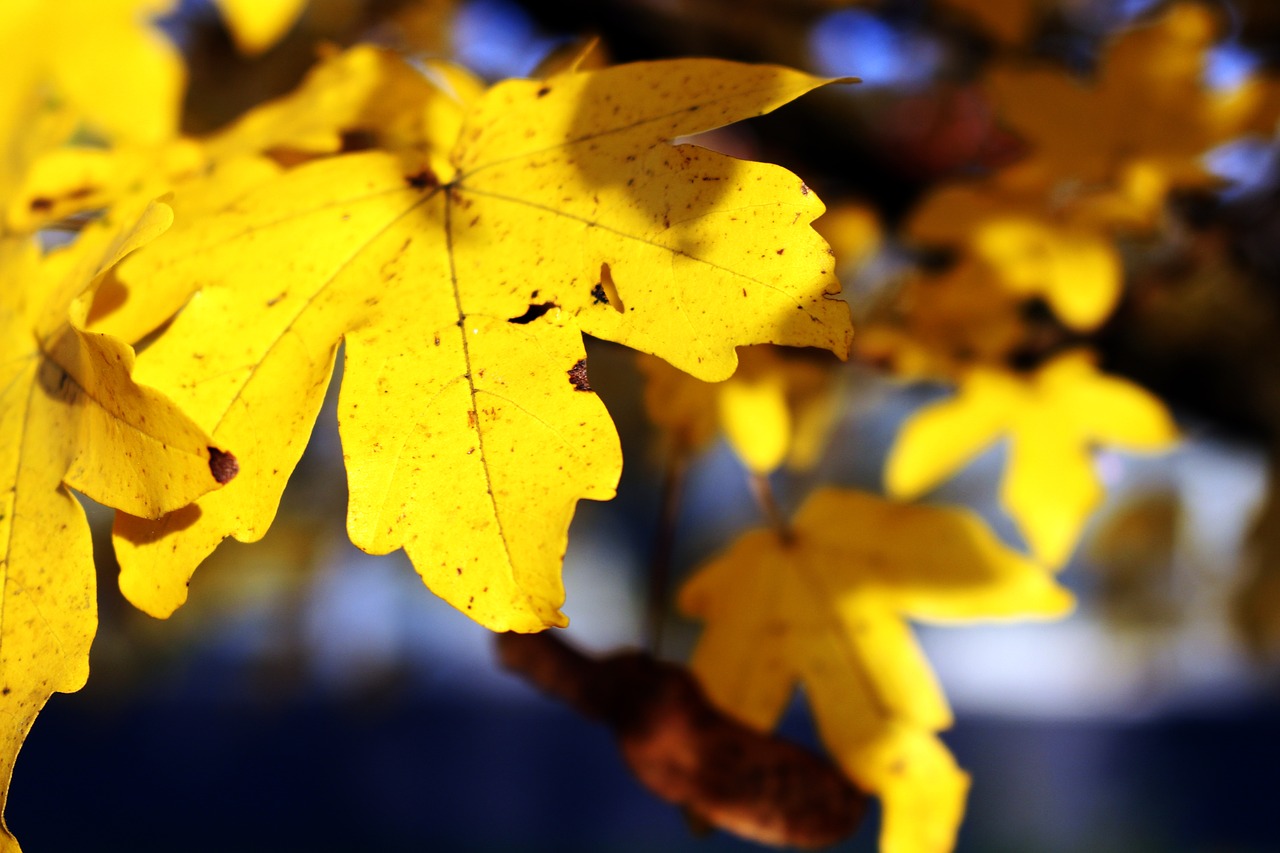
{"x":103,"y":57}
{"x":72,"y":416}
{"x":776,"y":408}
{"x":460,"y":276}
{"x":1053,"y":419}
{"x":1030,"y":247}
{"x":1148,"y":105}
{"x":940,"y":325}
{"x":825,"y":608}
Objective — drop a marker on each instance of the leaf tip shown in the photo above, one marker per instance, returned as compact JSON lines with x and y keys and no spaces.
{"x":223,"y":465}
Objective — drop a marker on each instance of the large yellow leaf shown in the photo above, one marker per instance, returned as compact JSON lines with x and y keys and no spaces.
{"x":1052,"y":419}
{"x":826,"y":609}
{"x":70,"y":415}
{"x":460,"y":279}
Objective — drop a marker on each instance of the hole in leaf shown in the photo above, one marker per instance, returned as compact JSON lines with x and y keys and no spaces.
{"x":606,"y":292}
{"x":534,"y":312}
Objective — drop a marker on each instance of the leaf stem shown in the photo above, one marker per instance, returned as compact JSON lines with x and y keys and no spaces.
{"x":664,"y":545}
{"x":762,"y":490}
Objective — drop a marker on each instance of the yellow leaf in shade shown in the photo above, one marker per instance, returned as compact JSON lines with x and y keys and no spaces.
{"x":363,"y":92}
{"x":1149,"y":104}
{"x":1008,"y":21}
{"x":854,"y":232}
{"x":103,"y":57}
{"x":826,"y":609}
{"x":71,"y":416}
{"x":256,"y":25}
{"x":459,"y":278}
{"x":682,"y":408}
{"x":778,"y":407}
{"x":755,"y":418}
{"x":352,"y":94}
{"x":65,"y":181}
{"x":1053,"y":420}
{"x":941,"y":324}
{"x":1029,"y":248}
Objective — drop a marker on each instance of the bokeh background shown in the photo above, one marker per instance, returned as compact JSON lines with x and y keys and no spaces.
{"x":310,"y":697}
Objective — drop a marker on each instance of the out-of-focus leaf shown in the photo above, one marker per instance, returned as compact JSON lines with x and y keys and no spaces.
{"x":256,"y":25}
{"x":104,"y":57}
{"x":825,"y":607}
{"x":1053,"y":420}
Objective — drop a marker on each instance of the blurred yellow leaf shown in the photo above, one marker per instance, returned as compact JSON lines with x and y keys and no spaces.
{"x":104,"y":57}
{"x":72,"y":416}
{"x":777,"y":408}
{"x":71,"y":180}
{"x":1149,"y":104}
{"x":460,"y":275}
{"x":1030,"y":248}
{"x":1053,"y":419}
{"x":854,"y":232}
{"x":825,"y":608}
{"x":256,"y":25}
{"x":940,"y":325}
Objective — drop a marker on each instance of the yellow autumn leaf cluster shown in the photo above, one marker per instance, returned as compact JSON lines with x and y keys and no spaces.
{"x":824,"y":606}
{"x":457,"y":254}
{"x":1037,"y":265}
{"x":1102,"y":155}
{"x":1053,"y":420}
{"x":776,"y":409}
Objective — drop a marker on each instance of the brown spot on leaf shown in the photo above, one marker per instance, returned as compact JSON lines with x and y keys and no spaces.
{"x":578,"y":376}
{"x":223,"y":465}
{"x":423,"y":179}
{"x":544,"y":91}
{"x":40,"y":204}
